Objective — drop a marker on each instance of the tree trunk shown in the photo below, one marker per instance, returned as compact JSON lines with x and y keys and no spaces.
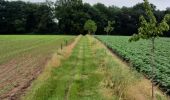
{"x":153,"y":66}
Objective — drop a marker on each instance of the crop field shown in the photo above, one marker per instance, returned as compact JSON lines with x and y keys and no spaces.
{"x":84,"y":50}
{"x":22,"y":58}
{"x":138,"y":54}
{"x":37,"y":68}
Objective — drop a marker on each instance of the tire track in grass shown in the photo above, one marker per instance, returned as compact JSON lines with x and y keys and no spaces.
{"x":86,"y":82}
{"x":80,"y":63}
{"x":70,"y":82}
{"x":77,"y":73}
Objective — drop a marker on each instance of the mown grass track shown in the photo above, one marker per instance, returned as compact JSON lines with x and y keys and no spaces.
{"x":73,"y":80}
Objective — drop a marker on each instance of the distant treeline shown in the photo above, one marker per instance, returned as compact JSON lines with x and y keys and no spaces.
{"x":68,"y":17}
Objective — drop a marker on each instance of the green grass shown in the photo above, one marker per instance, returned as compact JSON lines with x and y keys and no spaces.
{"x":138,"y":54}
{"x":74,"y":79}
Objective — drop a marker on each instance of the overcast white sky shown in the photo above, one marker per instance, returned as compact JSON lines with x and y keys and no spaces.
{"x":161,"y":4}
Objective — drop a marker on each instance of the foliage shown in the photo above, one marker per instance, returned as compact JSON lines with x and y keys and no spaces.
{"x":90,"y":26}
{"x":151,"y":28}
{"x":137,"y":54}
{"x":109,"y":28}
{"x":17,"y":17}
{"x":19,"y":25}
{"x":68,"y":17}
{"x":71,"y":16}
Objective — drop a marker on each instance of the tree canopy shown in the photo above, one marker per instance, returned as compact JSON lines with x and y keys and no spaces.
{"x":90,"y":26}
{"x":151,"y":28}
{"x":109,"y":27}
{"x":69,"y":16}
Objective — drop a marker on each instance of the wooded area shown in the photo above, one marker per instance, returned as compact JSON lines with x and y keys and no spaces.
{"x":69,"y":17}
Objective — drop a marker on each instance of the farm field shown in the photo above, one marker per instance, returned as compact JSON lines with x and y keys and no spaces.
{"x":84,"y":50}
{"x":91,"y":72}
{"x":22,"y":58}
{"x":138,"y":54}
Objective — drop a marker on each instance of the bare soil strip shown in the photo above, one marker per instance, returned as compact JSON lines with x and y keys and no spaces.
{"x":18,"y":79}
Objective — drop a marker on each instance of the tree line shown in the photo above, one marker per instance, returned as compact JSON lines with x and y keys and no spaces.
{"x":69,"y":16}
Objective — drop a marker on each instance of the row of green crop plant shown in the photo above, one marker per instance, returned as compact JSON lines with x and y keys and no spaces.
{"x":138,"y":54}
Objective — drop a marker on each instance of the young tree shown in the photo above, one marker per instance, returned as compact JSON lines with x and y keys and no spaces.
{"x":150,"y":29}
{"x":90,"y":26}
{"x":109,"y":28}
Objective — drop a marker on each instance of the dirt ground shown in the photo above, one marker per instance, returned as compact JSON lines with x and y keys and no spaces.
{"x":17,"y":75}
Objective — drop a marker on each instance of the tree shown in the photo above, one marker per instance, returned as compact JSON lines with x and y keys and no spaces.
{"x":71,"y":16}
{"x":102,"y":18}
{"x":90,"y":26}
{"x":150,"y":29}
{"x":19,"y":25}
{"x":45,"y":22}
{"x":109,"y":28}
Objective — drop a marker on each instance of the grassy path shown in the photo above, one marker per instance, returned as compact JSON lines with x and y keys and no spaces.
{"x":90,"y":73}
{"x":75,"y":79}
